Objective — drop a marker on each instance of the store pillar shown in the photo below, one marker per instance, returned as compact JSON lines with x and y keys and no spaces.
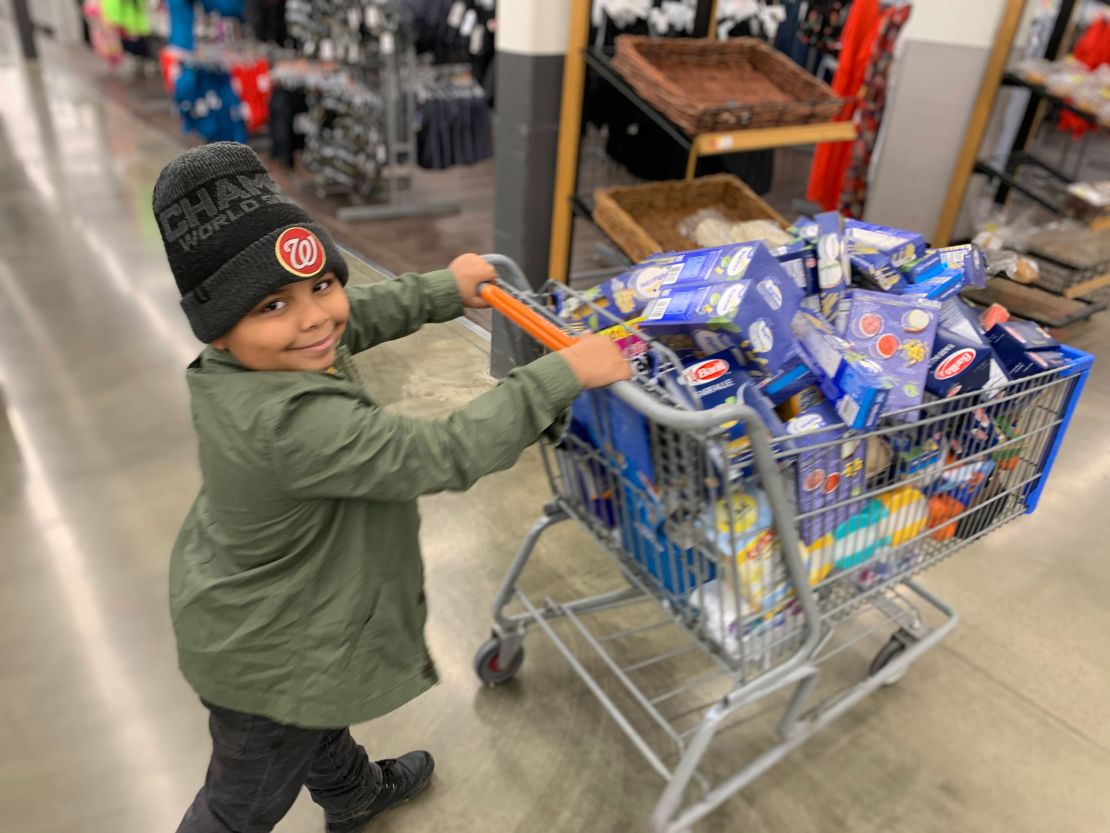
{"x":25,"y":28}
{"x":531,"y":43}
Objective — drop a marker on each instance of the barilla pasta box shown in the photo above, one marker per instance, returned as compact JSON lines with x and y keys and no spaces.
{"x":969,"y":259}
{"x":791,"y":379}
{"x":804,"y":227}
{"x":942,"y":286}
{"x":833,"y":270}
{"x":830,"y":471}
{"x":709,"y":318}
{"x":923,"y":268}
{"x":615,"y":300}
{"x":958,"y":365}
{"x":874,"y":268}
{"x":799,"y":261}
{"x":721,"y":264}
{"x":721,"y":380}
{"x":855,"y":384}
{"x":1024,"y":349}
{"x":899,"y":246}
{"x":897,"y":332}
{"x":959,"y":318}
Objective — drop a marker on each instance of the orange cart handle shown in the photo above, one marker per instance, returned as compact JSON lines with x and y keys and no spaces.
{"x":528,"y":320}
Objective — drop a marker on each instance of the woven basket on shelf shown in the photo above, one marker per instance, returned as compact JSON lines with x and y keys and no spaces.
{"x":644,"y":219}
{"x":709,"y":85}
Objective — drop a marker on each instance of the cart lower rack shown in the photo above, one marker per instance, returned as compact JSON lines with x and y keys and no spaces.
{"x":748,"y":562}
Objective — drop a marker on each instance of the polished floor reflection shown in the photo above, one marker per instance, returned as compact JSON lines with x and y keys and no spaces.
{"x":1002,"y":729}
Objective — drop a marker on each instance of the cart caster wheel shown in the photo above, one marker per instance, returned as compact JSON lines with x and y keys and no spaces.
{"x":898,"y":643}
{"x":487,"y":663}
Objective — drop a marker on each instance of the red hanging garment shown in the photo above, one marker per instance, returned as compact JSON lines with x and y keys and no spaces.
{"x":1093,"y":50}
{"x":830,"y":161}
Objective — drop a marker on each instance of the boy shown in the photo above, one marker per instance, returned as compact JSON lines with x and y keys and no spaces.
{"x":296,"y":583}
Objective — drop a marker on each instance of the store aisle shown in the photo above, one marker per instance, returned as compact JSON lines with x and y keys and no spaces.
{"x":1002,"y":729}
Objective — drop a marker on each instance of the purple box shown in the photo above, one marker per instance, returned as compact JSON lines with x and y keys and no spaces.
{"x":874,"y":267}
{"x":940,"y":287}
{"x":923,"y":268}
{"x":855,"y":384}
{"x":710,"y":318}
{"x":968,"y":258}
{"x":825,"y":477}
{"x":799,"y":261}
{"x":833,"y":269}
{"x":804,"y":227}
{"x":958,"y":365}
{"x":897,"y":332}
{"x":619,"y":298}
{"x":1024,"y":349}
{"x":960,"y":319}
{"x":794,"y":377}
{"x":899,"y":246}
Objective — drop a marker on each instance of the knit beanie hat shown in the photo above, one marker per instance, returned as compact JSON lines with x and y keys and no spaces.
{"x":232,"y":236}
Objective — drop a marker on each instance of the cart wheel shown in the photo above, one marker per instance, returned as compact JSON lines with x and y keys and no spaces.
{"x":898,"y":643}
{"x":487,"y":663}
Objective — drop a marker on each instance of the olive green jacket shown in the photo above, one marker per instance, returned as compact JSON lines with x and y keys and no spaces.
{"x":296,"y":583}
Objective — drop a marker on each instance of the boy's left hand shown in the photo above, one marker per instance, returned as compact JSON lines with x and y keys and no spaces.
{"x":471,"y":271}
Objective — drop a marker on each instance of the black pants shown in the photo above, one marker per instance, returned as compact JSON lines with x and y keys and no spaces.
{"x":258,"y":767}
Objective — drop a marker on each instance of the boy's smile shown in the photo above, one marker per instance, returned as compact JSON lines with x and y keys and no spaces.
{"x":295,"y":328}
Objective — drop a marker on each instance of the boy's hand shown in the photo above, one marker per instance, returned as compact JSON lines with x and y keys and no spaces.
{"x":597,"y":362}
{"x":471,"y":271}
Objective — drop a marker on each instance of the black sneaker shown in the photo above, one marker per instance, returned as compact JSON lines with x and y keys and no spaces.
{"x":403,"y":779}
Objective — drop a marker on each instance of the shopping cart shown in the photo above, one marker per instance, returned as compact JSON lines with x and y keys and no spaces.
{"x":748,"y":561}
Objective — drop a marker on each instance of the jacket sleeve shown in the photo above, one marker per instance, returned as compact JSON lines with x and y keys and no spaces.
{"x":326,"y":445}
{"x":395,"y":308}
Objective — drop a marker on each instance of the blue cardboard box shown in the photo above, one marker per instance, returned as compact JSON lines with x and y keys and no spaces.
{"x":969,"y":259}
{"x":710,"y":318}
{"x":1024,"y":349}
{"x":940,"y":287}
{"x":618,"y":299}
{"x":833,"y":268}
{"x":898,"y":245}
{"x":856,"y":385}
{"x":923,"y":268}
{"x":897,"y":332}
{"x":958,"y":365}
{"x":799,"y":261}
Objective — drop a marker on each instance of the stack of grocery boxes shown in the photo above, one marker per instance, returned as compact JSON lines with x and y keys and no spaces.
{"x":849,"y":324}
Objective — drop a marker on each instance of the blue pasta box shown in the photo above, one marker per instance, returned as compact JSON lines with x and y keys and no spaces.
{"x":958,"y":365}
{"x":969,"y":259}
{"x":875,"y":268}
{"x":855,"y":384}
{"x":722,"y":380}
{"x":793,"y":378}
{"x":727,"y":263}
{"x":828,"y":474}
{"x":896,"y":332}
{"x":615,"y":300}
{"x":804,"y":227}
{"x":899,"y":246}
{"x":799,"y":261}
{"x":833,"y":269}
{"x":940,"y":287}
{"x":960,"y":319}
{"x":923,"y":268}
{"x":710,"y":318}
{"x":1024,"y":349}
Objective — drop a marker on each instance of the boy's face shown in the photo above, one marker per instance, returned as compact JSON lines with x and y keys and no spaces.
{"x":295,"y":328}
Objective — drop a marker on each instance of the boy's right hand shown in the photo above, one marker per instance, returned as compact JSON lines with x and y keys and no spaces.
{"x":597,"y":362}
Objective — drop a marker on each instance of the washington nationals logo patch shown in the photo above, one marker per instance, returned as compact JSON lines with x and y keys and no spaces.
{"x":300,"y":252}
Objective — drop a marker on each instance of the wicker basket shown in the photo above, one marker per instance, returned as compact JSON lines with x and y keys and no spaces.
{"x":709,"y":85}
{"x":644,"y":219}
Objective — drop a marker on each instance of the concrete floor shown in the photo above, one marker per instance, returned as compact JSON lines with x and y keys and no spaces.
{"x":1006,"y":727}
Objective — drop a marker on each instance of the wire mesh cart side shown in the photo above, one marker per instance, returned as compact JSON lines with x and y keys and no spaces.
{"x":732,"y":587}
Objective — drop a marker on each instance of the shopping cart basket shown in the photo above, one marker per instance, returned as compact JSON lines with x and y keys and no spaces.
{"x":748,"y":560}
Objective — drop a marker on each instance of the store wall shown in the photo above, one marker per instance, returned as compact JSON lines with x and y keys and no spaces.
{"x":934,"y":85}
